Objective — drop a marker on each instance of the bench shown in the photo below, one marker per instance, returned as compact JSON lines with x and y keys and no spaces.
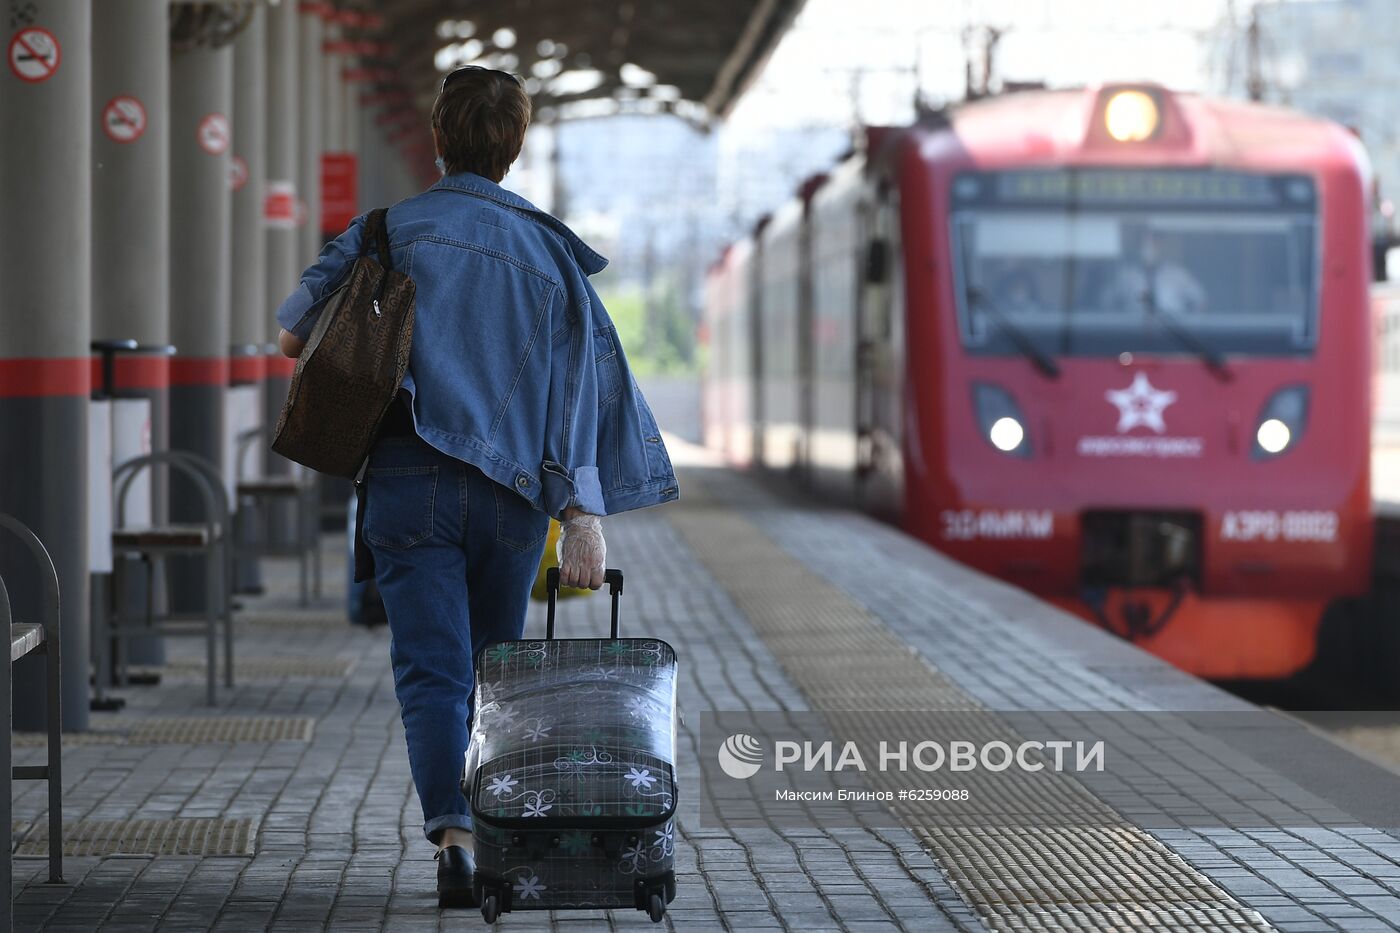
{"x":208,"y":539}
{"x":258,"y":499}
{"x":28,"y":638}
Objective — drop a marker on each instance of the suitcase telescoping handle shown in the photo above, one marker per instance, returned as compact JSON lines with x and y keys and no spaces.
{"x":611,"y":577}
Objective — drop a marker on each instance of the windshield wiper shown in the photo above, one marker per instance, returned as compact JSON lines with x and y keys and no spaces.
{"x":1208,"y":354}
{"x":1043,"y":363}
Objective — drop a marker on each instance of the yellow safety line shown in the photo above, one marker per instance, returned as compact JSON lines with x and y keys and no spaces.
{"x":1100,"y":872}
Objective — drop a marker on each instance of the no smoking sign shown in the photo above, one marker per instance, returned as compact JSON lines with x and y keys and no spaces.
{"x":213,"y":134}
{"x":34,"y":55}
{"x":237,"y":173}
{"x":124,"y":119}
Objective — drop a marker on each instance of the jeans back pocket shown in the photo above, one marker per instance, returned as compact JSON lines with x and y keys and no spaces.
{"x":519,"y":525}
{"x":399,"y":505}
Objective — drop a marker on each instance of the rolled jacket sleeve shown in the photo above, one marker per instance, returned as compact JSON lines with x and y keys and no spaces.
{"x":298,"y":313}
{"x":579,"y":488}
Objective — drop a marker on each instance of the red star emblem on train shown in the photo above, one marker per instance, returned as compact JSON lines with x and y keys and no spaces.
{"x":1140,"y":404}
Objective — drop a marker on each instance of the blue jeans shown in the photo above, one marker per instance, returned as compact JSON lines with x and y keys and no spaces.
{"x":455,"y":554}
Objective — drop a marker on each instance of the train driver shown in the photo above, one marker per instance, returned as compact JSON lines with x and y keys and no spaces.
{"x":1174,"y":287}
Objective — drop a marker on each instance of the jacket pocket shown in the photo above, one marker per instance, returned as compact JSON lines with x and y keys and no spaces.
{"x":519,"y":526}
{"x":609,"y":369}
{"x":399,"y":506}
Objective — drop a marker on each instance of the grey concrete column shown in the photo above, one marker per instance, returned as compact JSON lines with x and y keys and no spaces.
{"x":336,"y":56}
{"x":131,"y":223}
{"x":309,"y":143}
{"x":336,"y":97}
{"x":382,"y":179}
{"x":411,"y":182}
{"x":370,"y":144}
{"x":352,"y":114}
{"x":45,"y":367}
{"x":282,"y":241}
{"x":382,"y":174}
{"x":332,"y":89}
{"x":249,"y":310}
{"x":201,"y":102}
{"x":130,"y":172}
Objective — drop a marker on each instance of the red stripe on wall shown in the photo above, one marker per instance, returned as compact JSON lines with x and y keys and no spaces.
{"x":35,"y":378}
{"x":134,"y":372}
{"x":199,"y":371}
{"x":280,"y":367}
{"x":247,"y":368}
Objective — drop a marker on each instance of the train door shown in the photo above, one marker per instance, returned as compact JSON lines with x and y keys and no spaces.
{"x":755,"y":337}
{"x":806,"y":383}
{"x":879,"y":361}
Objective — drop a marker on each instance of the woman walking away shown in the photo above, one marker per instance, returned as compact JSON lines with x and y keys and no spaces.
{"x":518,"y":405}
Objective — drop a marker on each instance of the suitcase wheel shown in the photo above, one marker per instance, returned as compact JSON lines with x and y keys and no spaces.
{"x":491,"y":908}
{"x":656,"y":907}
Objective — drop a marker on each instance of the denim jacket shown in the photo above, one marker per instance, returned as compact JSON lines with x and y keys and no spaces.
{"x":516,"y":367}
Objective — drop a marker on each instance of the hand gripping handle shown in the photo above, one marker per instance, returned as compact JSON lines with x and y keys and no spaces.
{"x":611,"y":577}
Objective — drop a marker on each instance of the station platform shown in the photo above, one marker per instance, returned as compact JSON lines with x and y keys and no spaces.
{"x":290,"y":807}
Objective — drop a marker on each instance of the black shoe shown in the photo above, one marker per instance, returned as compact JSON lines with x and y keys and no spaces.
{"x":456,"y":869}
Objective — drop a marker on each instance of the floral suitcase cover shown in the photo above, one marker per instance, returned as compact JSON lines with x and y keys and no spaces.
{"x":571,"y":771}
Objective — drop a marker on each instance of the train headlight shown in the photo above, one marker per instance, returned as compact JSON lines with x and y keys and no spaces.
{"x":1006,"y":434}
{"x":1131,"y":116}
{"x":1282,"y":421}
{"x":1000,"y":419}
{"x":1273,"y":435}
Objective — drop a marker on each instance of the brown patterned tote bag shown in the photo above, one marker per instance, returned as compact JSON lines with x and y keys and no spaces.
{"x":352,"y":365}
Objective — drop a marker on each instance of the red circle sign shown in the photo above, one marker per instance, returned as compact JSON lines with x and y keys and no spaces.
{"x":34,"y":55}
{"x":214,"y":134}
{"x":237,"y":173}
{"x":124,"y":119}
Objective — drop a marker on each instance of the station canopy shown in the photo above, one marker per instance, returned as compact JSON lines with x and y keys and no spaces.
{"x":693,"y":58}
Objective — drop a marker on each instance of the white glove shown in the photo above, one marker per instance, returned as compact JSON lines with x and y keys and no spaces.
{"x":582,"y":551}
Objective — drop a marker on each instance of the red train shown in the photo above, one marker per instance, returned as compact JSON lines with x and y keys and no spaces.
{"x":1112,"y":345}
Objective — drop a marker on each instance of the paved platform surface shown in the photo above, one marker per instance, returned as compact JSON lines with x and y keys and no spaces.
{"x":323,"y":829}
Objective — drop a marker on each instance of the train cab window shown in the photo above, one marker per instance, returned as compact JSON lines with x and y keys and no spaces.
{"x":1096,"y":262}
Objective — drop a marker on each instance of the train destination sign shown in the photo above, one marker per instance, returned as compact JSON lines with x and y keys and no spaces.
{"x":1116,"y":187}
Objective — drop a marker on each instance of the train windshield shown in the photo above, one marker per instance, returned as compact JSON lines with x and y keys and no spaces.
{"x":1090,"y":262}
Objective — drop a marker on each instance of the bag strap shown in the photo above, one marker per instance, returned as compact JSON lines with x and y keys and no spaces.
{"x":377,"y":237}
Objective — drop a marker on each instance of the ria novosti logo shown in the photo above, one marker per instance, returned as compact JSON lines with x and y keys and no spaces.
{"x":741,"y":756}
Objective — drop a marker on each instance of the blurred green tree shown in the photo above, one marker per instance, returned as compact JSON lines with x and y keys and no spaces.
{"x":656,"y":327}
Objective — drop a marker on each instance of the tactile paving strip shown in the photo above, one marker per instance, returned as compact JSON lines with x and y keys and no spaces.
{"x":278,"y":668}
{"x":208,"y":730}
{"x":94,"y":737}
{"x":145,"y":837}
{"x":186,"y":731}
{"x":1099,"y":874}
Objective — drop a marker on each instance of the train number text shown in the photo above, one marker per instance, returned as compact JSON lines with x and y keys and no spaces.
{"x":996,"y":524}
{"x":1278,"y":526}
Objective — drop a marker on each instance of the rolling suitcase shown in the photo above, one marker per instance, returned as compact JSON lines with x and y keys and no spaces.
{"x":570,"y":774}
